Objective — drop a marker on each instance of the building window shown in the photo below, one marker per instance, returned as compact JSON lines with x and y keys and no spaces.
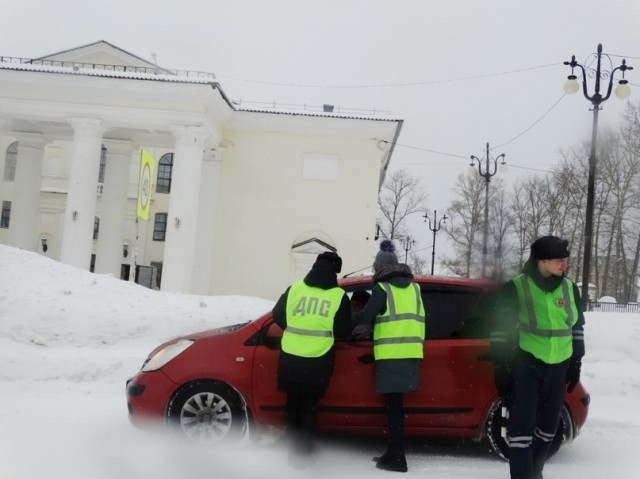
{"x":6,"y":214}
{"x":103,"y":164}
{"x":11,"y":159}
{"x":96,"y":227}
{"x":158,"y":266}
{"x":165,"y":168}
{"x":160,"y":227}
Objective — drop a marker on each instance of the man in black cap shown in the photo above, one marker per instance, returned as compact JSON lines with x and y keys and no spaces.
{"x":537,"y":348}
{"x":312,"y":312}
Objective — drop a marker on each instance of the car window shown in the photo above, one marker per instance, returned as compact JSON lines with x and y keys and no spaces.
{"x":358,"y":298}
{"x":455,"y":311}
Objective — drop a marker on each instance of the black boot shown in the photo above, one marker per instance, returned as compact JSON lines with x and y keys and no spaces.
{"x":392,"y":460}
{"x":384,"y":457}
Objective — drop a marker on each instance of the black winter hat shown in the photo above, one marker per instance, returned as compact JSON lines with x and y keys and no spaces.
{"x":550,"y":247}
{"x":332,"y":258}
{"x":386,"y":255}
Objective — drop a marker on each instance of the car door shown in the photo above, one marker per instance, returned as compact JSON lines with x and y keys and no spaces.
{"x":350,"y":400}
{"x":267,"y":402}
{"x":456,"y":380}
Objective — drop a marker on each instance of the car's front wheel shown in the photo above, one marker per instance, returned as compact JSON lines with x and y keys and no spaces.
{"x":496,"y":422}
{"x":208,"y":411}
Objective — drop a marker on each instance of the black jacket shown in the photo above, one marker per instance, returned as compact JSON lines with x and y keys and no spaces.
{"x":313,"y":372}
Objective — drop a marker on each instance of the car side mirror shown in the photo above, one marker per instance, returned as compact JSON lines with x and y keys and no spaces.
{"x":272,"y":334}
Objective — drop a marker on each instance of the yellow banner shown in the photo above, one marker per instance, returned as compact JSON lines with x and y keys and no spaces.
{"x":147,"y":165}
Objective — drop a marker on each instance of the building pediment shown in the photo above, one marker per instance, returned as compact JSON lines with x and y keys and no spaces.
{"x":100,"y":53}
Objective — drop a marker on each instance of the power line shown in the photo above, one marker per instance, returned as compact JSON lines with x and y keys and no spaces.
{"x":534,"y":123}
{"x":466,"y":157}
{"x":390,"y":85}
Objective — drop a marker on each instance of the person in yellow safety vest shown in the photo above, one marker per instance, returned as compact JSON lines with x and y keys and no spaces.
{"x":397,"y":313}
{"x":312,"y":312}
{"x":537,"y":345}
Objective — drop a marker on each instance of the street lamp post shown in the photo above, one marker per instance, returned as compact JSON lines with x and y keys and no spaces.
{"x":490,"y":169}
{"x":435,"y":228}
{"x":622,"y":91}
{"x":407,"y":243}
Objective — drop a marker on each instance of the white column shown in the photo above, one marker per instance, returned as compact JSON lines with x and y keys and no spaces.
{"x":209,"y":191}
{"x":80,"y":211}
{"x":113,"y":203}
{"x":26,"y":192}
{"x":182,"y":217}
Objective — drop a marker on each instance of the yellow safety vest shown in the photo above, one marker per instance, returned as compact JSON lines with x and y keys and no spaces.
{"x":546,"y":319}
{"x":310,"y":314}
{"x":400,"y":332}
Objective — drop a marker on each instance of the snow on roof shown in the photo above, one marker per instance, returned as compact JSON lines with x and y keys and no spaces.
{"x":111,"y":71}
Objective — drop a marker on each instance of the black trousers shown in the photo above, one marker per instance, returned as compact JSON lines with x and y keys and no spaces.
{"x":535,"y":402}
{"x":300,"y":414}
{"x":395,"y":415}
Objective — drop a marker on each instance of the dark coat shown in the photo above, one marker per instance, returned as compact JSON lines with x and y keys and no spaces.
{"x":392,"y":375}
{"x":312,"y":372}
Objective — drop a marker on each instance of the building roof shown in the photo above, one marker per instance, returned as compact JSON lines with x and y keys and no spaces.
{"x":119,"y":63}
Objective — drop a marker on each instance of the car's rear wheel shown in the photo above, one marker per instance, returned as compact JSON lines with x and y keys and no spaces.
{"x":495,"y":423}
{"x":208,"y":411}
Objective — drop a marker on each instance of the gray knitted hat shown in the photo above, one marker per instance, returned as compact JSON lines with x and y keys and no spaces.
{"x":386,"y":255}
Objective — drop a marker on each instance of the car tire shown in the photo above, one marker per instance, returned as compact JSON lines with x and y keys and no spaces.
{"x":499,"y":445}
{"x":208,"y":411}
{"x":495,"y":423}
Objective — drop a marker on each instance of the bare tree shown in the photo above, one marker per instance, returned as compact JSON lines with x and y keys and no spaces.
{"x":400,"y":196}
{"x":569,"y":183}
{"x":500,"y":228}
{"x":466,"y":216}
{"x":418,"y":263}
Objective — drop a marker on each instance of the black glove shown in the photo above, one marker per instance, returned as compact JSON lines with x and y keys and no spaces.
{"x":502,"y":379}
{"x":573,"y":374}
{"x":362,"y":331}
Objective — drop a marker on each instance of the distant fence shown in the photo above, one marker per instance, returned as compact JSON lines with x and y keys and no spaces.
{"x":597,"y":306}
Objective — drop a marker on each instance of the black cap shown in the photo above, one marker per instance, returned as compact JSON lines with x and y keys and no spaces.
{"x":332,"y":258}
{"x":550,"y":247}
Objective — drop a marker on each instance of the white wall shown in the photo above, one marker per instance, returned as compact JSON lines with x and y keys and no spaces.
{"x":266,"y":205}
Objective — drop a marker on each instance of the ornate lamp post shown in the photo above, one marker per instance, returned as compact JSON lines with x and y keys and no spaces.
{"x":622,"y":91}
{"x":407,"y":243}
{"x":435,"y":228}
{"x":489,"y":169}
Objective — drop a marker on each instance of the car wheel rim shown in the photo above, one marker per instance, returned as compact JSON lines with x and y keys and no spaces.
{"x":206,"y":416}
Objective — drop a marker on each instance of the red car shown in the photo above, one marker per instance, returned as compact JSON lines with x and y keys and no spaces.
{"x":218,"y":384}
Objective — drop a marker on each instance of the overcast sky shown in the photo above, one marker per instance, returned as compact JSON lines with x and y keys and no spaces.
{"x":460,"y":73}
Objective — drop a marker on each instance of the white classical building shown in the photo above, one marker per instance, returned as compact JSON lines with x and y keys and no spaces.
{"x":242,"y":199}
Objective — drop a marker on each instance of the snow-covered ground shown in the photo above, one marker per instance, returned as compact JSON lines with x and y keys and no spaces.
{"x":69,"y":340}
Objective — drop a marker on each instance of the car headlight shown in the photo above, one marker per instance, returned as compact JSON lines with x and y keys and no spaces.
{"x":166,"y":354}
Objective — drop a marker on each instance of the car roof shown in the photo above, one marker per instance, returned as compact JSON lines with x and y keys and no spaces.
{"x":428,"y":280}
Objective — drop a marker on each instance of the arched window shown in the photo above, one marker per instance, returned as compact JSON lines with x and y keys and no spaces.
{"x":165,"y":167}
{"x":10,"y":161}
{"x":103,"y":164}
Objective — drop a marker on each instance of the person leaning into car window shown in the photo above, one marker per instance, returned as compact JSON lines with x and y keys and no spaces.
{"x":397,"y":313}
{"x":537,"y":346}
{"x":311,"y":312}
